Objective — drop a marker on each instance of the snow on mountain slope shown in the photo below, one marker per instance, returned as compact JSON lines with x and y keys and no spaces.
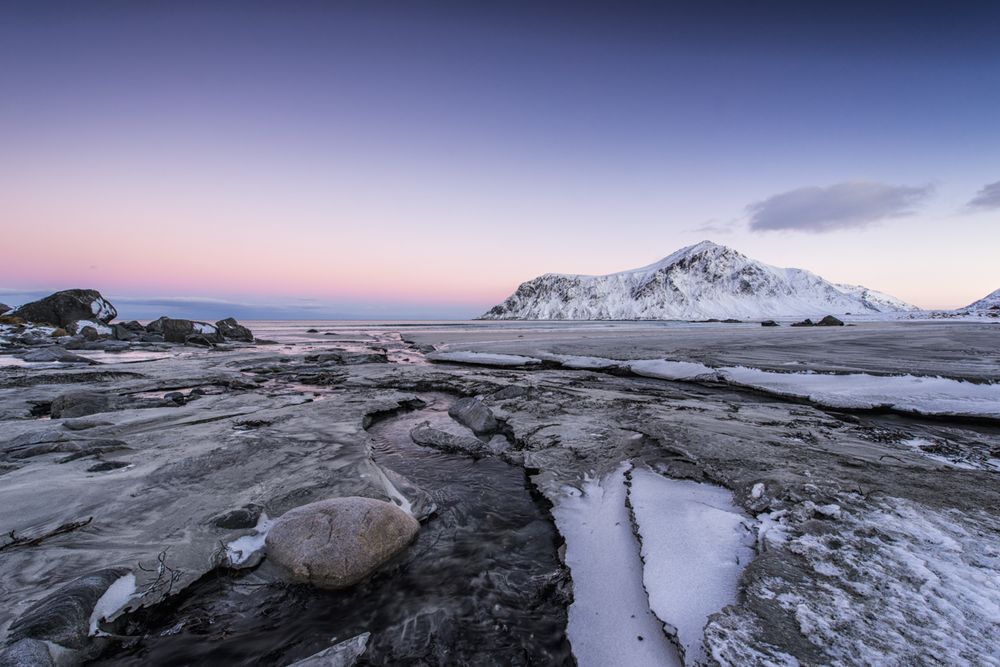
{"x":990,"y":302}
{"x":702,"y":281}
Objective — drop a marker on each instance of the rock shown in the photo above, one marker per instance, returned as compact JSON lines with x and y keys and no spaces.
{"x":27,"y":653}
{"x":89,"y":333}
{"x":768,"y":323}
{"x":62,"y":308}
{"x":178,"y":330}
{"x":731,"y":320}
{"x":447,"y":442}
{"x":230,"y":329}
{"x":11,"y":320}
{"x":59,"y":332}
{"x":472,"y":413}
{"x":342,"y":654}
{"x":199,"y":340}
{"x":84,"y":424}
{"x":312,"y":330}
{"x":829,"y":321}
{"x":175,"y":396}
{"x":338,"y":542}
{"x":63,"y":617}
{"x":80,"y":403}
{"x":55,"y":353}
{"x":804,"y":323}
{"x":4,"y":308}
{"x":238,"y":519}
{"x":511,"y":391}
{"x":121,"y":332}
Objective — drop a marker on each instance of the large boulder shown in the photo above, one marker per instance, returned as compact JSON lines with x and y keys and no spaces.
{"x":63,"y":308}
{"x":4,"y":308}
{"x":830,"y":321}
{"x":230,"y":329}
{"x":179,"y":331}
{"x":338,"y":542}
{"x":472,"y":413}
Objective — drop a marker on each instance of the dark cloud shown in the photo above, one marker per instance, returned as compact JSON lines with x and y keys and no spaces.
{"x":839,"y":206}
{"x":988,"y":198}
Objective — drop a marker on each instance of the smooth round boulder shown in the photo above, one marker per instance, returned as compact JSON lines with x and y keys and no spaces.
{"x":338,"y":542}
{"x":63,"y":308}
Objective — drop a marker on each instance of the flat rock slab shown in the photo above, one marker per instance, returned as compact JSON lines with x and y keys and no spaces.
{"x":472,"y":413}
{"x":338,"y":542}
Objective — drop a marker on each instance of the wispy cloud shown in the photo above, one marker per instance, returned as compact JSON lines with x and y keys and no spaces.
{"x":715,"y":226}
{"x":839,"y":206}
{"x":987,"y":199}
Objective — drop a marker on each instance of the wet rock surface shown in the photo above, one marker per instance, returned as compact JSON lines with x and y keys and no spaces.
{"x":853,"y":510}
{"x":338,"y":542}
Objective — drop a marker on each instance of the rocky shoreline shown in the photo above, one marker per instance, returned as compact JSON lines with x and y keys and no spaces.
{"x":195,"y":507}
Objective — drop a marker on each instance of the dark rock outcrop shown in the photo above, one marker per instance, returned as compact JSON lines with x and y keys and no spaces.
{"x":4,"y":308}
{"x":768,"y":323}
{"x":472,"y":413}
{"x":830,"y":321}
{"x":448,"y":442}
{"x":180,"y":331}
{"x":804,"y":323}
{"x":80,"y":403}
{"x":64,"y":616}
{"x":55,"y":353}
{"x":63,"y":308}
{"x":230,"y":329}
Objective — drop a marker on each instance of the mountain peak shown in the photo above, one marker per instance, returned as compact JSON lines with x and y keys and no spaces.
{"x":701,"y":281}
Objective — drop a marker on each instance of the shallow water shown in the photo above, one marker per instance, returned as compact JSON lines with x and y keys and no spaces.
{"x":481,"y":584}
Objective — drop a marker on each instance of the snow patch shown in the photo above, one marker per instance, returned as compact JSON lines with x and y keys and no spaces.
{"x":203,"y":328}
{"x":610,"y":611}
{"x":695,"y":544}
{"x":241,"y":549}
{"x":671,"y":370}
{"x":112,"y":601}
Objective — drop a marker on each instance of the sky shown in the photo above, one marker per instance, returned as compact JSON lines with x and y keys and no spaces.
{"x":421,"y":159}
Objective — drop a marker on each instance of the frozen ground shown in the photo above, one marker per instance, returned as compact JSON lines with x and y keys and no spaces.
{"x":875,"y":536}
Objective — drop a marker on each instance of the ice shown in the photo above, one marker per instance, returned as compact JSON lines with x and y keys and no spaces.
{"x":671,"y":370}
{"x":610,"y":611}
{"x":202,"y":328}
{"x":113,"y":600}
{"x":910,"y":393}
{"x":484,"y":358}
{"x":241,"y":549}
{"x":695,"y":544}
{"x":580,"y":362}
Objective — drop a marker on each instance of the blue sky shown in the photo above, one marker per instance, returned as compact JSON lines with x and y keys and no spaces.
{"x":422,"y":159}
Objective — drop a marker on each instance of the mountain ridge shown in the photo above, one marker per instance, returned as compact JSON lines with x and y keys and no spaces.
{"x":702,"y":281}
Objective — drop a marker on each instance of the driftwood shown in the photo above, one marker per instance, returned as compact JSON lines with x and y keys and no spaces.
{"x":27,"y":541}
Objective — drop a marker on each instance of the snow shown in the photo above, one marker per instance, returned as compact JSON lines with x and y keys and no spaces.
{"x":907,"y":393}
{"x":671,"y":370}
{"x":757,"y":491}
{"x":112,"y":601}
{"x":102,"y":309}
{"x":241,"y":549}
{"x":102,"y":329}
{"x":894,"y":582}
{"x":928,"y":395}
{"x":484,"y":358}
{"x":610,"y":610}
{"x":989,"y":302}
{"x":695,"y":544}
{"x":203,"y":328}
{"x":702,"y":281}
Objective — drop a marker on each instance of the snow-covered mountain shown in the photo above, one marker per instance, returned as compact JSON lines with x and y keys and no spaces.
{"x":702,"y":281}
{"x":988,"y":304}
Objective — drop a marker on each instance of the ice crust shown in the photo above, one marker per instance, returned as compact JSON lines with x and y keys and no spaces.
{"x":695,"y":544}
{"x":484,"y":358}
{"x":610,"y":610}
{"x":113,"y":600}
{"x":241,"y":549}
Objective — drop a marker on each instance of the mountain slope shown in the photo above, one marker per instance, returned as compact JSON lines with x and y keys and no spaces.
{"x":702,"y":281}
{"x":990,"y":302}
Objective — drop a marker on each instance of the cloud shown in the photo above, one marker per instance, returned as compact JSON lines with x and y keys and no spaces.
{"x":988,"y":198}
{"x":715,"y":226}
{"x":840,"y":206}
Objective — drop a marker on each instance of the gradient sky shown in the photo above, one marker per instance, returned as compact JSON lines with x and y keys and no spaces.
{"x":369,"y":159}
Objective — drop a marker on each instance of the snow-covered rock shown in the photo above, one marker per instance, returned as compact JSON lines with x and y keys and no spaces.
{"x":68,"y":306}
{"x":702,"y":281}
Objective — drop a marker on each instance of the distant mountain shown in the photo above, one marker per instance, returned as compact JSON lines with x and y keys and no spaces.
{"x":988,"y":304}
{"x":702,"y":281}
